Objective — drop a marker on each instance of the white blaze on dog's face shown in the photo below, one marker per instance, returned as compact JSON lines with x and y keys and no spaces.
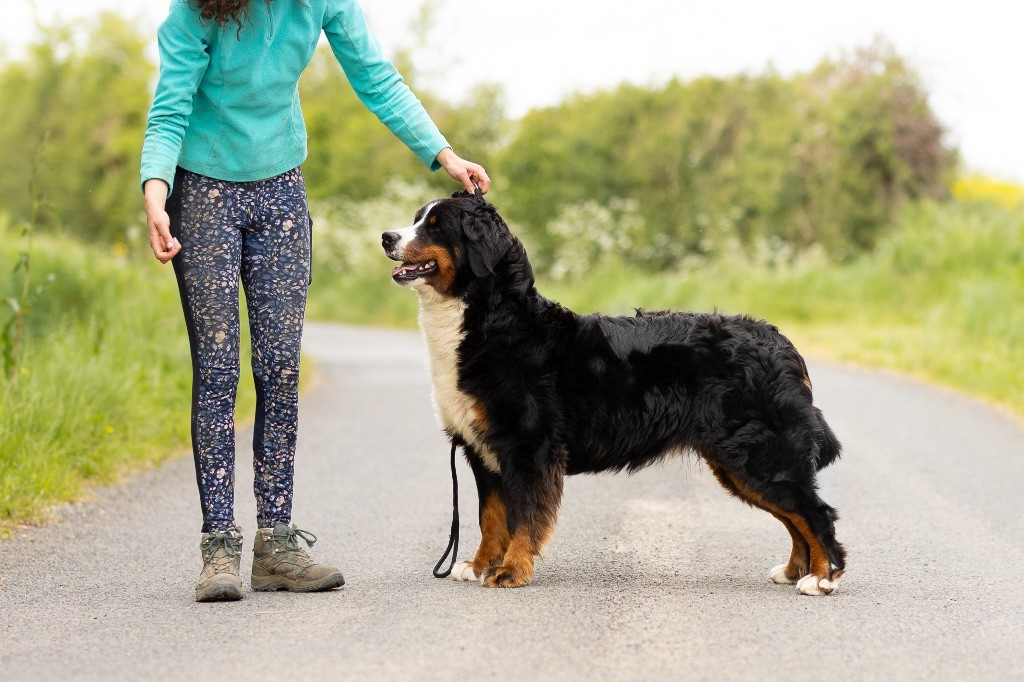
{"x":426,"y":249}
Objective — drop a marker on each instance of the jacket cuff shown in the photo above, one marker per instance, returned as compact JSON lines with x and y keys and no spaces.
{"x":154,"y":172}
{"x":432,"y":162}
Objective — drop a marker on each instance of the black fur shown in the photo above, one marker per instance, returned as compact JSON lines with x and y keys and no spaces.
{"x":567,"y":394}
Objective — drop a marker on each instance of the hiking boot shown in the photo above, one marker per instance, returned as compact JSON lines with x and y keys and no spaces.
{"x":222,"y":552}
{"x":278,"y":563}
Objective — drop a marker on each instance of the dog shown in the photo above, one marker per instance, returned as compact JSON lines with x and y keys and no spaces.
{"x":534,"y":392}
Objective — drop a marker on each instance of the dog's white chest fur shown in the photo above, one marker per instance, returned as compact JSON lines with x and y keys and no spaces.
{"x":441,"y":322}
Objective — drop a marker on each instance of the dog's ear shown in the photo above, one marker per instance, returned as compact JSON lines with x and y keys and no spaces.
{"x":487,"y":238}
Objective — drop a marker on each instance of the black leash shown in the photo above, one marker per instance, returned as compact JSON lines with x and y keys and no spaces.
{"x":453,"y":539}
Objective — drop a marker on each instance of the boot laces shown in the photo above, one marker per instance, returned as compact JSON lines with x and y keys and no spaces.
{"x":290,"y":544}
{"x":219,"y":550}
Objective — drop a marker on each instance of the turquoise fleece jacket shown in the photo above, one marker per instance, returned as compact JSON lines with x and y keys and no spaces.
{"x":228,"y":107}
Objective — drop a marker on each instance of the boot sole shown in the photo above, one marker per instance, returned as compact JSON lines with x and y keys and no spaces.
{"x":276,"y":583}
{"x":220,"y":593}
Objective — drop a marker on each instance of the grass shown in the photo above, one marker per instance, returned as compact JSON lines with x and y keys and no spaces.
{"x":941,"y":298}
{"x":103,"y":387}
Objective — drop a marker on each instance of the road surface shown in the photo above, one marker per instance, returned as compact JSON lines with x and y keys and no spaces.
{"x":656,"y":576}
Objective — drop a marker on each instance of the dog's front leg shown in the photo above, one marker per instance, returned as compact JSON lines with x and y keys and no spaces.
{"x":532,"y":481}
{"x":494,"y":537}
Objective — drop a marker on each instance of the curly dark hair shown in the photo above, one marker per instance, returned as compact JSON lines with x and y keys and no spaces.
{"x":223,"y":11}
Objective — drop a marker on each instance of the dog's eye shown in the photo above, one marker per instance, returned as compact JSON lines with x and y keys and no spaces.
{"x":433,"y":229}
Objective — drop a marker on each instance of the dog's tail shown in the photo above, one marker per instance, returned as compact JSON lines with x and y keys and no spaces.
{"x":829,"y":447}
{"x":826,"y":446}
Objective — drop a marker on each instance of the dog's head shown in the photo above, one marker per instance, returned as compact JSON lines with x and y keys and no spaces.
{"x":452,"y":243}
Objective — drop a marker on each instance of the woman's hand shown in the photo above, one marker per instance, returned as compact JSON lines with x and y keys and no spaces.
{"x":468,"y":173}
{"x":165,"y":247}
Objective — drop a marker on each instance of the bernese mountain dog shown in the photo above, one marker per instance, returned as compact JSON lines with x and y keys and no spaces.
{"x":534,"y":392}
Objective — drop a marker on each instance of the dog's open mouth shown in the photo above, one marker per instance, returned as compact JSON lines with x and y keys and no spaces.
{"x":406,"y":272}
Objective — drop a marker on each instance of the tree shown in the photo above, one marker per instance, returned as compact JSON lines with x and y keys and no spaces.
{"x":87,"y":97}
{"x":823,"y":158}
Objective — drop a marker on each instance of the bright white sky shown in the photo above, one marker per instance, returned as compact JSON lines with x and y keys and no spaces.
{"x":970,"y":54}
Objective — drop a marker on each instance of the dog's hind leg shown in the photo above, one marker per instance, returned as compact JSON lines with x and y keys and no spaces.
{"x":494,"y":537}
{"x":817,"y":559}
{"x":815,"y":521}
{"x":799,"y":557}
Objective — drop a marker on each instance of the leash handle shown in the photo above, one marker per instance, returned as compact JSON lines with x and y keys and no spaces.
{"x":453,"y":538}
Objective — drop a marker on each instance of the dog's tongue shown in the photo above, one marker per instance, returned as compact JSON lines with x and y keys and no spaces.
{"x":404,"y":267}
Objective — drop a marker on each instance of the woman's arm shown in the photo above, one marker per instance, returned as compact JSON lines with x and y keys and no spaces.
{"x":382,"y":90}
{"x":184,"y":58}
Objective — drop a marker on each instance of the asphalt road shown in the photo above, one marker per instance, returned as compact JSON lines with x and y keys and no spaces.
{"x":655,"y":576}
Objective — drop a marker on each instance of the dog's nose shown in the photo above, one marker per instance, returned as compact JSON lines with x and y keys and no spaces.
{"x":389,"y":239}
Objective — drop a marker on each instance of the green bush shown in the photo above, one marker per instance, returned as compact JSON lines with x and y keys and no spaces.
{"x":825,"y":158}
{"x":78,"y":105}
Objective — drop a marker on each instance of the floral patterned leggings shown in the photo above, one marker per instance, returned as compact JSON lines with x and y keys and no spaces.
{"x":259,"y":231}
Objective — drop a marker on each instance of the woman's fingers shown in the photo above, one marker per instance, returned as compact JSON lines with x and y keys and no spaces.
{"x":164,"y":253}
{"x":478,"y":176}
{"x":160,"y":249}
{"x":471,"y":175}
{"x":165,"y":247}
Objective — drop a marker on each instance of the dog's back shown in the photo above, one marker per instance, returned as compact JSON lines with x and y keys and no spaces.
{"x":689,"y":380}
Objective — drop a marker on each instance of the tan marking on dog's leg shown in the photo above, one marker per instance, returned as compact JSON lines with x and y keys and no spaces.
{"x":798,"y":564}
{"x":494,"y":537}
{"x":530,"y":534}
{"x":807,"y":557}
{"x":819,"y":580}
{"x":723,"y":479}
{"x":517,"y":566}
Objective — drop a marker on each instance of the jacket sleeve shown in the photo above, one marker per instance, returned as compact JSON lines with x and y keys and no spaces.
{"x":377,"y":82}
{"x":184,"y":57}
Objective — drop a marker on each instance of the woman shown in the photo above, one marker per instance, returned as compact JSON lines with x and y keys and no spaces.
{"x":225,"y":200}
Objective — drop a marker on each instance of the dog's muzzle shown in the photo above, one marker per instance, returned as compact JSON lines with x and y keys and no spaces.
{"x":408,"y":271}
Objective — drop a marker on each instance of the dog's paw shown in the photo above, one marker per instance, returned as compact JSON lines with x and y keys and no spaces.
{"x":505,"y":576}
{"x":816,"y":586}
{"x":464,"y":571}
{"x":780,"y":575}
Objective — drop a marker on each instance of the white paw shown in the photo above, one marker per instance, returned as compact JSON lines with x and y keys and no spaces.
{"x":463,"y":571}
{"x":778,"y":575}
{"x":815,"y":586}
